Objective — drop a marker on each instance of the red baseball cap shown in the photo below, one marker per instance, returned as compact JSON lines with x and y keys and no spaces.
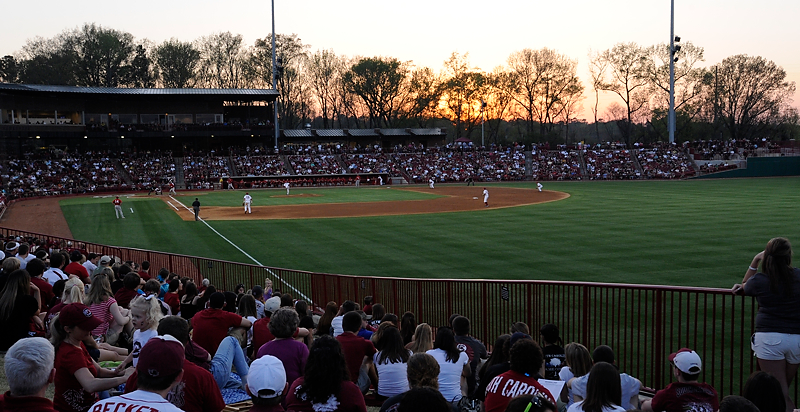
{"x":161,"y":356}
{"x":78,"y":314}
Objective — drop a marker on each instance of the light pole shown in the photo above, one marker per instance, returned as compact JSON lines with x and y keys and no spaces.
{"x":274,"y":80}
{"x":483,"y":107}
{"x":672,"y":59}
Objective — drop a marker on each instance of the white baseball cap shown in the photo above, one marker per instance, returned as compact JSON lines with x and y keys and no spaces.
{"x":272,"y":304}
{"x":267,"y":377}
{"x":687,"y":361}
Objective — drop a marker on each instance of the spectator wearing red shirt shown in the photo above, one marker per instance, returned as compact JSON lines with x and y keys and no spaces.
{"x":171,"y":298}
{"x":29,"y":370}
{"x":36,"y":269}
{"x":211,"y":325}
{"x":76,"y":268}
{"x":198,"y":391}
{"x":526,"y":360}
{"x":129,"y":290}
{"x":145,"y":272}
{"x":211,"y":333}
{"x":687,"y":393}
{"x":357,"y":352}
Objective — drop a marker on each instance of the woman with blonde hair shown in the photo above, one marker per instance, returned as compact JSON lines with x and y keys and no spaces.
{"x":101,"y":302}
{"x":579,"y":362}
{"x":422,"y":341}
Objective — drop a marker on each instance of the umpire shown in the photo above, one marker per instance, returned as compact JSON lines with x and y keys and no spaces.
{"x":196,"y":207}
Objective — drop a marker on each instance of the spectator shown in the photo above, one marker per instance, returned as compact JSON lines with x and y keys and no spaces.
{"x":160,"y":369}
{"x":211,"y":332}
{"x":422,"y":398}
{"x":91,"y":262}
{"x":114,"y":318}
{"x":247,"y":310}
{"x":422,"y":372}
{"x":390,"y":363}
{"x":764,"y":390}
{"x":198,"y":391}
{"x":18,"y":309}
{"x":578,"y":363}
{"x":145,"y":315}
{"x":336,"y":323}
{"x":603,"y":391}
{"x":266,"y":384}
{"x":776,"y":341}
{"x":733,"y":403}
{"x":325,"y":383}
{"x":422,"y":341}
{"x":36,"y":269}
{"x":292,"y":354}
{"x":130,"y":289}
{"x":498,"y":356}
{"x":78,"y":377}
{"x":553,"y":351}
{"x":171,"y":298}
{"x":152,"y":288}
{"x":211,"y":325}
{"x":189,"y":301}
{"x":629,"y":385}
{"x":306,"y":318}
{"x":104,"y":262}
{"x":687,"y":393}
{"x":526,"y":360}
{"x":324,"y":323}
{"x":29,"y":371}
{"x":364,"y":331}
{"x":357,"y":352}
{"x":475,"y":350}
{"x":368,"y":305}
{"x":261,"y":332}
{"x":258,"y":295}
{"x":76,"y":268}
{"x":23,"y":255}
{"x":453,"y":364}
{"x":54,"y":274}
{"x":378,"y":312}
{"x":408,"y":325}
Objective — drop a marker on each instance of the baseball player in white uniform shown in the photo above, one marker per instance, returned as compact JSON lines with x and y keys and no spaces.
{"x":485,"y":197}
{"x":431,"y":182}
{"x":287,"y":185}
{"x":539,"y":186}
{"x":246,"y":202}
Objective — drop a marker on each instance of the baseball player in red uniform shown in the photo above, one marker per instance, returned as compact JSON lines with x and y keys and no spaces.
{"x":118,"y":208}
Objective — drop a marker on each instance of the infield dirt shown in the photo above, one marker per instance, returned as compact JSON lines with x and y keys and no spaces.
{"x":454,"y":199}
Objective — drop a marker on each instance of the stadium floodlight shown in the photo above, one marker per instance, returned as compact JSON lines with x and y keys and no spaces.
{"x":672,"y":59}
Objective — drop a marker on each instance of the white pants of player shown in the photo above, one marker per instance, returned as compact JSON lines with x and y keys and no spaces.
{"x":247,"y":208}
{"x":430,"y":185}
{"x":118,"y":211}
{"x":172,"y":191}
{"x":486,"y":200}
{"x":287,"y":190}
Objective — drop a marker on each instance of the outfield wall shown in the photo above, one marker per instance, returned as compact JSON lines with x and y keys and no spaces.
{"x":762,"y":167}
{"x":643,"y":323}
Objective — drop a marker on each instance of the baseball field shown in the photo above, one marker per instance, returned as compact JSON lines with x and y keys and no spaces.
{"x":694,"y":233}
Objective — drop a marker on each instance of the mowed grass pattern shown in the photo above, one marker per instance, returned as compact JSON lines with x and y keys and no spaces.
{"x":694,"y":233}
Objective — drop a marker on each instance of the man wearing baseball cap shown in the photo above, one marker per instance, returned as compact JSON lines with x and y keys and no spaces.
{"x":266,"y":384}
{"x":687,"y":394}
{"x":160,"y":368}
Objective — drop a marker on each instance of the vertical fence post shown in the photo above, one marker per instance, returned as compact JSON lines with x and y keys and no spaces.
{"x":658,"y":335}
{"x":585,"y":313}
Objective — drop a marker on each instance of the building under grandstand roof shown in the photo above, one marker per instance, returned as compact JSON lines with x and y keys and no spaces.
{"x":92,"y":118}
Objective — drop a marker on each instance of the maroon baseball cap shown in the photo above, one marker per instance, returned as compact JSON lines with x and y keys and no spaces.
{"x":78,"y":314}
{"x":161,"y":356}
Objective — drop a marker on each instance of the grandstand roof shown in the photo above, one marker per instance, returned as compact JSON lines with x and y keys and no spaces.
{"x":394,"y":132}
{"x":362,"y":132}
{"x":297,"y":133}
{"x":231,"y":93}
{"x":427,"y":132}
{"x":330,"y":132}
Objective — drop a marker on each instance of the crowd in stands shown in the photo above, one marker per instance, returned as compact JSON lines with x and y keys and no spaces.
{"x":148,"y":169}
{"x":204,"y":170}
{"x":663,"y":161}
{"x":258,"y":165}
{"x":125,"y":336}
{"x":563,"y":164}
{"x":314,"y":164}
{"x":609,"y":164}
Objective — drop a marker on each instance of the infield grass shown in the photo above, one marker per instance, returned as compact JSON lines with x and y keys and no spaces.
{"x":694,"y":233}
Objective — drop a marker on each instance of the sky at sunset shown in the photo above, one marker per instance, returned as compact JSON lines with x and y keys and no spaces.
{"x":427,"y":32}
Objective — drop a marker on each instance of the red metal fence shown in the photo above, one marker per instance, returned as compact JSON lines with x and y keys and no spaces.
{"x":642,"y":323}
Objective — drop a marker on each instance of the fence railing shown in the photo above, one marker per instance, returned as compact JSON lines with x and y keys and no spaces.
{"x":642,"y":323}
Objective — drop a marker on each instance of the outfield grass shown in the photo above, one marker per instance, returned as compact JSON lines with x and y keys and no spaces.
{"x":697,"y":233}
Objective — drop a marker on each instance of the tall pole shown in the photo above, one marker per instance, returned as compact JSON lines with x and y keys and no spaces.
{"x":274,"y":79}
{"x":483,"y":105}
{"x":671,"y":119}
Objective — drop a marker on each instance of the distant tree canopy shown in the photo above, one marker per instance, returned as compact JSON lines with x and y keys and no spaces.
{"x":534,"y":97}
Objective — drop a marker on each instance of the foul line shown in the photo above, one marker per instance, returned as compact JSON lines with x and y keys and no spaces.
{"x":306,"y":298}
